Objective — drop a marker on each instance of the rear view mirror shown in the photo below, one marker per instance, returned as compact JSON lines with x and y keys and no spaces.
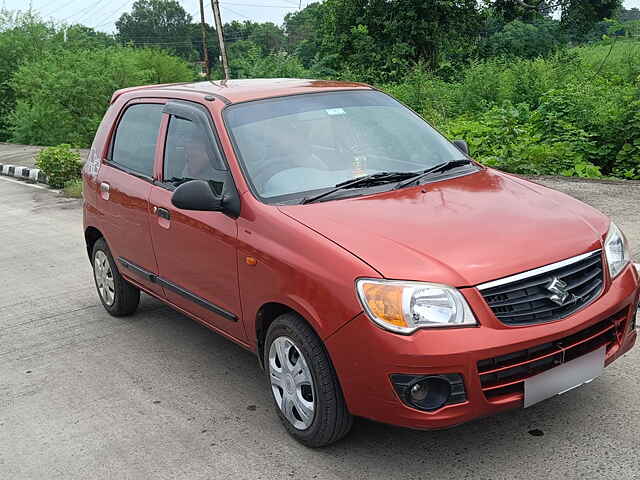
{"x":196,"y":195}
{"x":462,"y":146}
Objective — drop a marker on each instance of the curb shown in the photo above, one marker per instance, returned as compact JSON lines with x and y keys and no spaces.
{"x":34,"y":175}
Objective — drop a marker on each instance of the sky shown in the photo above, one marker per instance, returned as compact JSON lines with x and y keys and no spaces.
{"x":102,"y":14}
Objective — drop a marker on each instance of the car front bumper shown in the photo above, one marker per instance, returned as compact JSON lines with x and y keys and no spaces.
{"x":365,"y":356}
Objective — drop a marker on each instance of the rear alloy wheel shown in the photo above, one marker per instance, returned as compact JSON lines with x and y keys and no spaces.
{"x":118,"y":296}
{"x":304,"y":384}
{"x":104,"y":278}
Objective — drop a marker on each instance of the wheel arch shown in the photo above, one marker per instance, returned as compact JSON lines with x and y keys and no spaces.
{"x":266,"y":315}
{"x":91,"y":236}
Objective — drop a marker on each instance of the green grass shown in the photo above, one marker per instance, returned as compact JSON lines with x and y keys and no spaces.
{"x":73,"y":188}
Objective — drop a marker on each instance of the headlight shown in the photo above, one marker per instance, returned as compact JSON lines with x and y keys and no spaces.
{"x":616,"y":250}
{"x":404,"y":307}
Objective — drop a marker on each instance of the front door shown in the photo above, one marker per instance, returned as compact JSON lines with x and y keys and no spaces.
{"x":196,"y":251}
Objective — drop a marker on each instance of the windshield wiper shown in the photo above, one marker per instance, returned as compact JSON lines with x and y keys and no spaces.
{"x":378,"y":178}
{"x":441,"y":167}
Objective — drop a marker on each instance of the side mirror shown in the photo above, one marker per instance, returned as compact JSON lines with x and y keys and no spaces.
{"x":196,"y":195}
{"x":462,"y":146}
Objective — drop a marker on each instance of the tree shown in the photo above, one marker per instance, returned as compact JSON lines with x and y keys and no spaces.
{"x":303,"y":32}
{"x":396,"y":34}
{"x":161,"y":23}
{"x":523,"y":10}
{"x":580,"y":16}
{"x":629,"y":15}
{"x":525,"y":40}
{"x":23,"y":36}
{"x":268,"y":36}
{"x":79,"y":36}
{"x":195,"y":33}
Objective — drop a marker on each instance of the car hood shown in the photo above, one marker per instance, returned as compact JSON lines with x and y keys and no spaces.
{"x":462,"y":231}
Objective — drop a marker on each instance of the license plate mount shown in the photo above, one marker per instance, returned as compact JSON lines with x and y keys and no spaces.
{"x":564,"y":377}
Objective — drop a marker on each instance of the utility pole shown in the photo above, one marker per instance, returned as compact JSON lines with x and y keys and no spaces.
{"x":223,"y":51}
{"x":205,"y":47}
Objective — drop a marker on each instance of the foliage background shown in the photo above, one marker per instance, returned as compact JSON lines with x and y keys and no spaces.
{"x":534,"y":86}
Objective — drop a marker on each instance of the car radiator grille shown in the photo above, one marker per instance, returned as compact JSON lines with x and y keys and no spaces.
{"x":527,"y":301}
{"x":505,"y":374}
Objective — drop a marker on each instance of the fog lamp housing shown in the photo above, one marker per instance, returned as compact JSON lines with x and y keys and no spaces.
{"x":430,"y":392}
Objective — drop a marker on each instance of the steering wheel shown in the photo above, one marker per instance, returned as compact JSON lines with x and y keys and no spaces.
{"x":268,"y":168}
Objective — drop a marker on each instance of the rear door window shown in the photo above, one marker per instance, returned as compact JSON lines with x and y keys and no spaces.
{"x":134,"y":145}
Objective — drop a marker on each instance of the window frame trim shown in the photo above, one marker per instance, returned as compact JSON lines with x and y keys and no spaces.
{"x":200,"y":115}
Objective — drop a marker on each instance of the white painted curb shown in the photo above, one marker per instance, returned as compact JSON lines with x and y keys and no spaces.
{"x":33,"y":174}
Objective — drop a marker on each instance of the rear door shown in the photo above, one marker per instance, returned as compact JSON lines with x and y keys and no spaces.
{"x":125,"y":182}
{"x":196,"y":251}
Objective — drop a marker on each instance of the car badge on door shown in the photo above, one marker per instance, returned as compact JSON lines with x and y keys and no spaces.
{"x":559,"y":290}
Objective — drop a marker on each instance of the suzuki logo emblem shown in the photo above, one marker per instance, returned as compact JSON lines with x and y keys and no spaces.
{"x":560,"y":293}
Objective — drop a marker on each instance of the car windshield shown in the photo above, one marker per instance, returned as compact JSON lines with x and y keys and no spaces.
{"x":295,"y":145}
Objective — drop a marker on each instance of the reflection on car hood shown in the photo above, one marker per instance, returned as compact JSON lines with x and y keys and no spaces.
{"x":462,"y":232}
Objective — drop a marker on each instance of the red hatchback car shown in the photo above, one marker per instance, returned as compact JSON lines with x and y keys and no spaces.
{"x":374,"y":268}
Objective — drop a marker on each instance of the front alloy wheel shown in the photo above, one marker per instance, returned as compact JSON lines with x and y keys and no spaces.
{"x":304,"y":384}
{"x":291,"y":383}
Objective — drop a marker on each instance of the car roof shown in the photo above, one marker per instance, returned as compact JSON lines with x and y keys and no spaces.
{"x":234,"y":91}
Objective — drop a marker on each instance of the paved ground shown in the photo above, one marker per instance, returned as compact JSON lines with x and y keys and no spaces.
{"x":84,"y":395}
{"x":24,"y":155}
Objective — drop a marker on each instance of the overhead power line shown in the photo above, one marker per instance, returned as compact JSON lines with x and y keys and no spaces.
{"x":49,"y":11}
{"x":235,"y":12}
{"x":109,"y":18}
{"x":81,"y":12}
{"x":87,"y":13}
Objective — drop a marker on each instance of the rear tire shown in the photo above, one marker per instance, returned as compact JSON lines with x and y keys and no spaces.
{"x":118,"y":296}
{"x":300,"y":373}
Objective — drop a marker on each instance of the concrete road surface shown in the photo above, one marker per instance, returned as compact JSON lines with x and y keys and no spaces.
{"x":87,"y":396}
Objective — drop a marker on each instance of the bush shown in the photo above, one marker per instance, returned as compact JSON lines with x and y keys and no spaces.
{"x":572,"y":113}
{"x":425,"y":93}
{"x":254,"y":64}
{"x":60,"y":164}
{"x":505,"y":138}
{"x":627,"y":161}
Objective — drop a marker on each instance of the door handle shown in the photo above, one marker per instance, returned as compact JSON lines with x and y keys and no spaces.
{"x":162,"y":213}
{"x":104,"y":190}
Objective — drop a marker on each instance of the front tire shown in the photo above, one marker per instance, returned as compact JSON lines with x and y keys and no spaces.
{"x":303,"y":383}
{"x":118,"y":296}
